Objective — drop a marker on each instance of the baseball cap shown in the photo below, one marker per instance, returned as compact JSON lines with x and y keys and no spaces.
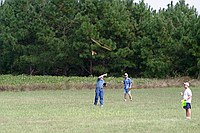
{"x":126,"y":74}
{"x":186,"y":83}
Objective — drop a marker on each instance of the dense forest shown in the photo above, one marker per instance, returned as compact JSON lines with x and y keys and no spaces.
{"x":90,"y":37}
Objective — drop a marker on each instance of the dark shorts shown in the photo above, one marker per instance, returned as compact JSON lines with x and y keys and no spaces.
{"x":188,"y":106}
{"x":126,"y":91}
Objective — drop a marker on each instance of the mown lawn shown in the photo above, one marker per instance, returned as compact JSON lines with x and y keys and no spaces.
{"x":72,"y":111}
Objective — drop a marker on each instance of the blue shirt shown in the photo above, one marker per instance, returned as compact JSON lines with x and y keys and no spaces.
{"x":127,"y":83}
{"x":99,"y":83}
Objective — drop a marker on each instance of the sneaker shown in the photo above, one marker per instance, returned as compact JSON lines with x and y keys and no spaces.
{"x":125,"y":100}
{"x":101,"y":105}
{"x":188,"y":118}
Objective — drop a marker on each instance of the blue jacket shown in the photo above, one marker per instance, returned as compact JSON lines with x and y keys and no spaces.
{"x":99,"y":83}
{"x":127,"y":83}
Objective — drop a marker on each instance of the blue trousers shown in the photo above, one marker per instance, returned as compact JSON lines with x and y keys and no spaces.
{"x":99,"y":92}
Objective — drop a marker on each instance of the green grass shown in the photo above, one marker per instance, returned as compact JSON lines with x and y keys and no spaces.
{"x":72,"y":111}
{"x":27,"y":82}
{"x":27,"y":79}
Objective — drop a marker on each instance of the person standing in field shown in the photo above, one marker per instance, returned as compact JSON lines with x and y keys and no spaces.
{"x":187,"y":98}
{"x":99,"y":91}
{"x":127,"y":85}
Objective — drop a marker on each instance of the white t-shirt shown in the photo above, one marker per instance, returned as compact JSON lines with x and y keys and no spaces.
{"x":186,"y":94}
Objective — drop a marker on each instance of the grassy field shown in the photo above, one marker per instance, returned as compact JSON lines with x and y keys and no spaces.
{"x":72,"y":111}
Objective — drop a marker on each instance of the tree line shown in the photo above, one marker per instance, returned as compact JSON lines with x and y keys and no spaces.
{"x":91,"y":37}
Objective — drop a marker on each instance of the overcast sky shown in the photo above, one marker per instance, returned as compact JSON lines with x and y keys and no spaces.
{"x":1,"y":1}
{"x":156,"y":4}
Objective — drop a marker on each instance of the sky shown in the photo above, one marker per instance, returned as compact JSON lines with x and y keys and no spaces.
{"x":157,"y":4}
{"x":2,"y":1}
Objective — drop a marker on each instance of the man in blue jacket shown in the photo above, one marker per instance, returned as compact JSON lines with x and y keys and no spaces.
{"x":99,"y":92}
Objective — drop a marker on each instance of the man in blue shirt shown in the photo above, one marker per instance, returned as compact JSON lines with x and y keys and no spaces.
{"x":99,"y":92}
{"x":127,"y":85}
